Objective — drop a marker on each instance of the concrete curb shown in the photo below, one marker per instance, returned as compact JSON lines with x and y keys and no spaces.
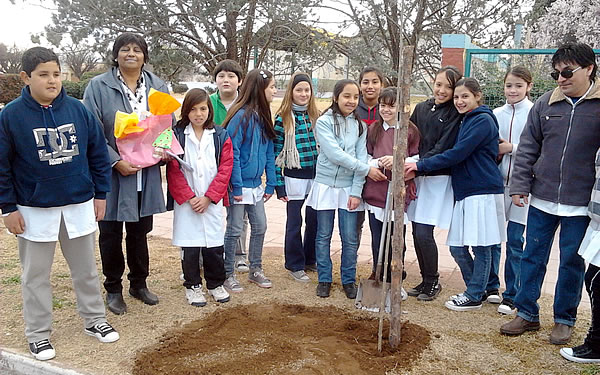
{"x":17,"y":364}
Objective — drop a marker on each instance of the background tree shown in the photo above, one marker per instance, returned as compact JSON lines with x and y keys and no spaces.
{"x":567,"y":21}
{"x":203,"y":32}
{"x":10,"y":59}
{"x":80,"y":59}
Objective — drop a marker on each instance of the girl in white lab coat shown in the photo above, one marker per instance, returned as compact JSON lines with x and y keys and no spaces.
{"x":198,"y":187}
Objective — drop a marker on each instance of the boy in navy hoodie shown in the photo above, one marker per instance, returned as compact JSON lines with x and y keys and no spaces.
{"x":54,"y":176}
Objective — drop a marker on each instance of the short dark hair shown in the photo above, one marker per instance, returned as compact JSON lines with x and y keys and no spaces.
{"x":228,"y":66}
{"x":36,"y":56}
{"x":371,"y":69}
{"x":579,"y":53}
{"x":125,"y":39}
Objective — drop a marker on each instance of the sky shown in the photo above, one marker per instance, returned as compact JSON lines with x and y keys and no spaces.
{"x":21,"y":20}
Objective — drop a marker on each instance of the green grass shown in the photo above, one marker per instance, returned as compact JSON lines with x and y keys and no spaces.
{"x":590,"y":370}
{"x":13,"y":280}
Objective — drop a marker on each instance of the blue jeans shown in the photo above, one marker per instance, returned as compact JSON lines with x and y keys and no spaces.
{"x":347,"y":222}
{"x":235,"y":223}
{"x":512,"y":264}
{"x":475,"y":271}
{"x":541,"y":227}
{"x":299,"y":253}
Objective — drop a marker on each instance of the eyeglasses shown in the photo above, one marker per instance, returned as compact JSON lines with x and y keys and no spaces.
{"x":567,"y":73}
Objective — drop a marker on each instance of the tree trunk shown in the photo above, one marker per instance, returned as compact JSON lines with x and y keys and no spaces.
{"x":400,"y":145}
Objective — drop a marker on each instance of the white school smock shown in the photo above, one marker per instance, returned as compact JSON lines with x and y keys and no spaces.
{"x":434,"y":202}
{"x":325,"y":197}
{"x":478,"y":220}
{"x":192,"y":229}
{"x":42,"y":224}
{"x":297,"y":189}
{"x":589,"y":249}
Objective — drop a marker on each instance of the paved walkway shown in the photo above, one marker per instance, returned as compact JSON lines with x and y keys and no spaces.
{"x":449,"y":271}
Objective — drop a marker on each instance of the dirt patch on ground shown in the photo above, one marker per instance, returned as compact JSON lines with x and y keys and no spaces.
{"x":280,"y":339}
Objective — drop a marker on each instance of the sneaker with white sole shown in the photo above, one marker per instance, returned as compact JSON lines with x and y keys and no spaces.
{"x":462,"y":303}
{"x":507,"y":307}
{"x":403,"y":294}
{"x":219,"y":294}
{"x":42,"y":350}
{"x":232,"y":284}
{"x":258,"y":277}
{"x":492,"y":296}
{"x":241,"y":265}
{"x":580,"y":354}
{"x":104,"y":332}
{"x":300,"y":276}
{"x":195,"y":296}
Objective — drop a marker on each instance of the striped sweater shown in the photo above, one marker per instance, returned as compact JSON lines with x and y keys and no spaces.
{"x":307,"y":149}
{"x":594,"y":205}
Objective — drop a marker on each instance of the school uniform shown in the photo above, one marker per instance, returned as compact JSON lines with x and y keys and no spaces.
{"x":295,"y":184}
{"x":53,"y":164}
{"x":211,"y":158}
{"x":478,"y":214}
{"x":341,"y":171}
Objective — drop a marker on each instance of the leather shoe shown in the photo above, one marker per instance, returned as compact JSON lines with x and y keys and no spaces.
{"x":115,"y":303}
{"x":323,"y":289}
{"x":144,"y":295}
{"x":350,"y":290}
{"x":561,"y":333}
{"x":518,"y":326}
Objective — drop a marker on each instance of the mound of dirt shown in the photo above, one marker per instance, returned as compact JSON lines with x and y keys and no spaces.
{"x":280,"y":339}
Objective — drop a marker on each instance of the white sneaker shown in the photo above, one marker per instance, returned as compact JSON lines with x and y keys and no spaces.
{"x":404,"y":294}
{"x":233,"y":285}
{"x":195,"y":296}
{"x":258,"y":277}
{"x":300,"y":276}
{"x":219,"y":294}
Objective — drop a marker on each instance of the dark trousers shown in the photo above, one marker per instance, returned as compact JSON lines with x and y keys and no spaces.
{"x":592,"y":285}
{"x":376,"y":228}
{"x":213,"y":264}
{"x":427,"y":251}
{"x":299,"y":253}
{"x":111,"y":253}
{"x":360,"y":220}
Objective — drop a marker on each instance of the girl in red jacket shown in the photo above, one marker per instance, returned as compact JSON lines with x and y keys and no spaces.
{"x":199,"y":189}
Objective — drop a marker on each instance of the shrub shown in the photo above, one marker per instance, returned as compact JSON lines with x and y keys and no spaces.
{"x":89,"y":75}
{"x":180,"y":88}
{"x":73,"y":89}
{"x":10,"y":87}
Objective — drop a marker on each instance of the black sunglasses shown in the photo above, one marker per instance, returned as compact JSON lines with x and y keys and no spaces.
{"x":567,"y":73}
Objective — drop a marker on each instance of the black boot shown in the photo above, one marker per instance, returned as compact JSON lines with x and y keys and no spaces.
{"x":115,"y":303}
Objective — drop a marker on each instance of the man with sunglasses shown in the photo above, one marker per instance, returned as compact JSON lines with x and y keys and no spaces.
{"x":555,"y":165}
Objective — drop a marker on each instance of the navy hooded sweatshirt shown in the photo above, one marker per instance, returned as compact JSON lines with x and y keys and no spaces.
{"x":51,"y":156}
{"x":472,"y":160}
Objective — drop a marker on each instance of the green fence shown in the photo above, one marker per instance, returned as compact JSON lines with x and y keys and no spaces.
{"x":489,"y":66}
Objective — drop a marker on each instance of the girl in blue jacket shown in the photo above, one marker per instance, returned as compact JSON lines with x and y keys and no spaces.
{"x":341,"y":170}
{"x":478,"y":215}
{"x":250,"y":127}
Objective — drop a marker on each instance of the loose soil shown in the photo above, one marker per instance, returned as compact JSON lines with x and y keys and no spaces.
{"x":280,"y":339}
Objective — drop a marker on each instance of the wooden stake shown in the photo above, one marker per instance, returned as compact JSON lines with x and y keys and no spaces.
{"x":400,"y":145}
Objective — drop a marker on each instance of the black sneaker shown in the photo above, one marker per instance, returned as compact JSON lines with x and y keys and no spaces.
{"x":462,"y":303}
{"x":580,"y":354}
{"x":42,"y":350}
{"x":104,"y":332}
{"x":323,"y":289}
{"x":430,"y":291}
{"x":350,"y":290}
{"x":414,"y":292}
{"x":492,"y":296}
